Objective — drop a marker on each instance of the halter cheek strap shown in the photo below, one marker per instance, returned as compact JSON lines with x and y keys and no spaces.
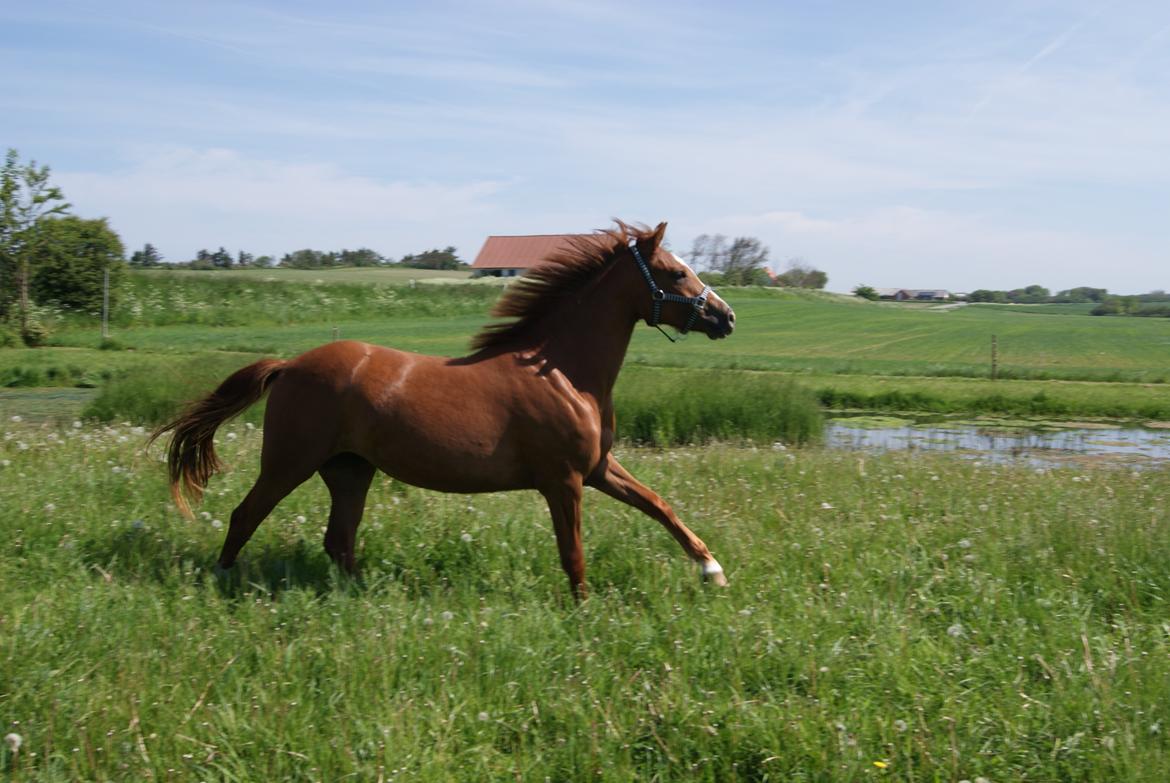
{"x":658,"y":296}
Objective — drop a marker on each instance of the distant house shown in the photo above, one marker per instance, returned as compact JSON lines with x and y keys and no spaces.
{"x":510,"y":256}
{"x":913,"y":294}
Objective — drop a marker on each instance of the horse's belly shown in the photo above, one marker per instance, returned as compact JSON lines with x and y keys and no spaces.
{"x":450,"y":452}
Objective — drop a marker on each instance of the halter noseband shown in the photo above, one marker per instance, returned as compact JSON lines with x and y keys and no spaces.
{"x":658,"y":296}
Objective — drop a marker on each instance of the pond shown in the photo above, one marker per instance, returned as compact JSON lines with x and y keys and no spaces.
{"x":1041,"y":443}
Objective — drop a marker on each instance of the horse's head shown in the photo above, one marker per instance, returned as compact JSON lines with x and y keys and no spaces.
{"x":674,"y":294}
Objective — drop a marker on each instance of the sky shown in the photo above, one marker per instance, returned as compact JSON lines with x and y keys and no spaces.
{"x":908,"y":144}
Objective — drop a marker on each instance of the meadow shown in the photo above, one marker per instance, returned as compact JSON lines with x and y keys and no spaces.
{"x":906,"y":616}
{"x":897,"y":617}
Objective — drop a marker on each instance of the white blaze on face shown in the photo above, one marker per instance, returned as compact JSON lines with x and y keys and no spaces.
{"x":685,"y":265}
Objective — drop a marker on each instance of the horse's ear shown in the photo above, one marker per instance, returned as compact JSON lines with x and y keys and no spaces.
{"x":659,"y":233}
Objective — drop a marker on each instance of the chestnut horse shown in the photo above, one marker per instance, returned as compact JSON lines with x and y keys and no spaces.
{"x":531,"y":408}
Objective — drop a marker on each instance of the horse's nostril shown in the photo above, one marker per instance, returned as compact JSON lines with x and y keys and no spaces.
{"x":731,"y":318}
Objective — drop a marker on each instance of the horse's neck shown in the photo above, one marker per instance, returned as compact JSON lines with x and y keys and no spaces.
{"x":588,"y":342}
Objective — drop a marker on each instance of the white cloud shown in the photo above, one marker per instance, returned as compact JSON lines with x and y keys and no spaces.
{"x":185,"y":199}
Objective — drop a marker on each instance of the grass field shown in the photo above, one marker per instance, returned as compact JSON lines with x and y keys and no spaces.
{"x":904,"y":618}
{"x":852,"y":354}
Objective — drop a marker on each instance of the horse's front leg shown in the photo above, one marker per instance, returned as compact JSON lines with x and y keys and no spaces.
{"x":615,"y":481}
{"x":564,"y":503}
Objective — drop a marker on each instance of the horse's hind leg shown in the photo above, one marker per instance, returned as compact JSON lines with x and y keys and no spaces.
{"x":348,"y":478}
{"x":269,"y":489}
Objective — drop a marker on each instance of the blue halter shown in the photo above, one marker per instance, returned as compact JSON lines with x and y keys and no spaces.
{"x":658,"y":296}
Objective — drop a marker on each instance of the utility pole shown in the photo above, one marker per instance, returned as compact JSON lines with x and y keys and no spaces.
{"x":106,"y":304}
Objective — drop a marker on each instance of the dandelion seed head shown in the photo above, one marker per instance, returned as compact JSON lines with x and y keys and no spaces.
{"x":447,"y":616}
{"x":217,"y":523}
{"x":900,"y":726}
{"x":13,"y":740}
{"x":483,"y":716}
{"x":955,"y":631}
{"x":466,"y":538}
{"x":300,"y":519}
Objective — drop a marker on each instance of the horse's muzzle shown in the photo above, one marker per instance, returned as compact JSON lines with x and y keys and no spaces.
{"x":722,"y":325}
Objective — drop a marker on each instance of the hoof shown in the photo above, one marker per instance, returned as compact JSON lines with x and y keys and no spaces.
{"x":712,"y":573}
{"x":719,"y":580}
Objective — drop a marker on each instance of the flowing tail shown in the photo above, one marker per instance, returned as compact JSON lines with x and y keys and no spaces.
{"x":191,"y":458}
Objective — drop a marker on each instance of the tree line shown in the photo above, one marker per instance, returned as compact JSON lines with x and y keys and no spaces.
{"x":1152,"y":304}
{"x":307,"y":258}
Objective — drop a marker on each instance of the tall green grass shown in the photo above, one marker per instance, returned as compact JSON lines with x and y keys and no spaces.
{"x":226,"y":300}
{"x":669,"y":407}
{"x":944,"y":619}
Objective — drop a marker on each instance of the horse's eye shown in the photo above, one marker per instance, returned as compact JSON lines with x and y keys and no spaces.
{"x":680,"y":274}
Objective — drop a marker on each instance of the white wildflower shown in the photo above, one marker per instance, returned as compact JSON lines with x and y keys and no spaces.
{"x":447,"y":616}
{"x":466,"y":538}
{"x":483,"y":716}
{"x":217,"y":523}
{"x":900,"y":726}
{"x":12,"y":739}
{"x":50,"y":507}
{"x":18,"y":420}
{"x":955,"y":631}
{"x":300,"y":519}
{"x":827,"y":506}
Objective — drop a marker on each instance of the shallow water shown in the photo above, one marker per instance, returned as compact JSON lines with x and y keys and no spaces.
{"x":999,"y":443}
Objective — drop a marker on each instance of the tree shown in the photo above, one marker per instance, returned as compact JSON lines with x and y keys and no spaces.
{"x":740,"y":263}
{"x":147,"y":257}
{"x":866,"y":292}
{"x":71,"y":261}
{"x":745,"y":255}
{"x":434,"y":259}
{"x":1033,"y":294}
{"x":245,"y":259}
{"x":709,"y":252}
{"x":306,"y":259}
{"x":361,"y":257}
{"x":801,"y":275}
{"x":222,"y":258}
{"x":26,"y":201}
{"x":1081,"y":294}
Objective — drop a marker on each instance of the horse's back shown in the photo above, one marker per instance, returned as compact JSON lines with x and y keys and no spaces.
{"x":424,"y":419}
